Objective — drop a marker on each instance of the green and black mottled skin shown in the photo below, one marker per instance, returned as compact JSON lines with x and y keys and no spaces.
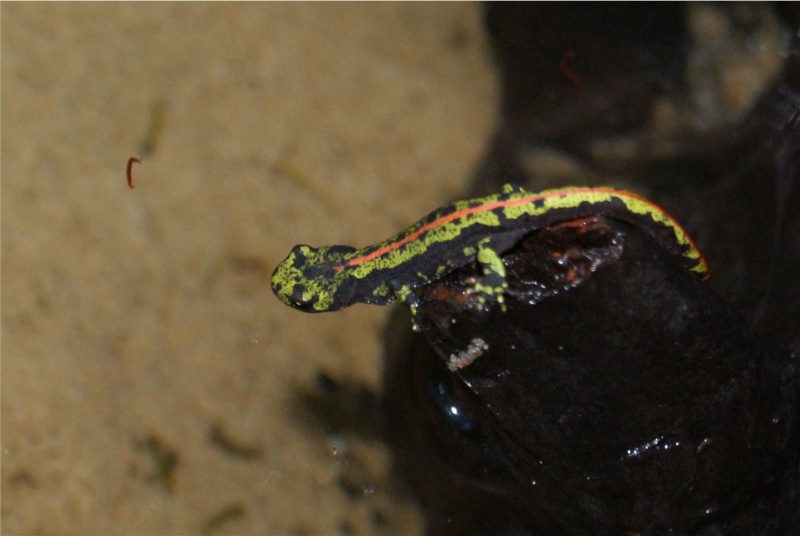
{"x":333,"y":277}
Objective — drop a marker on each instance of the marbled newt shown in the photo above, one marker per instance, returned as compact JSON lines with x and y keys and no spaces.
{"x":482,"y":229}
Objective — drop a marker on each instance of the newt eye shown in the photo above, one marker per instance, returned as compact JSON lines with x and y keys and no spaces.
{"x":301,"y":300}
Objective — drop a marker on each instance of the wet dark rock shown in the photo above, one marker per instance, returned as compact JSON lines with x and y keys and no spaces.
{"x":626,"y":398}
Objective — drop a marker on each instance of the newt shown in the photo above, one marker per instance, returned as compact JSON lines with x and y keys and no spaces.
{"x":330,"y":278}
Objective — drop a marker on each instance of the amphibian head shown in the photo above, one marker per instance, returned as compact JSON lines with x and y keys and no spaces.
{"x":315,"y":280}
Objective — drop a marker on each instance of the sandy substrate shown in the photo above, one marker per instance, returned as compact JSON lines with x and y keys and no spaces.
{"x":136,"y":321}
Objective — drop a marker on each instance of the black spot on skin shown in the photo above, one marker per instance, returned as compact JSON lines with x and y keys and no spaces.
{"x":298,"y":259}
{"x":444,"y":211}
